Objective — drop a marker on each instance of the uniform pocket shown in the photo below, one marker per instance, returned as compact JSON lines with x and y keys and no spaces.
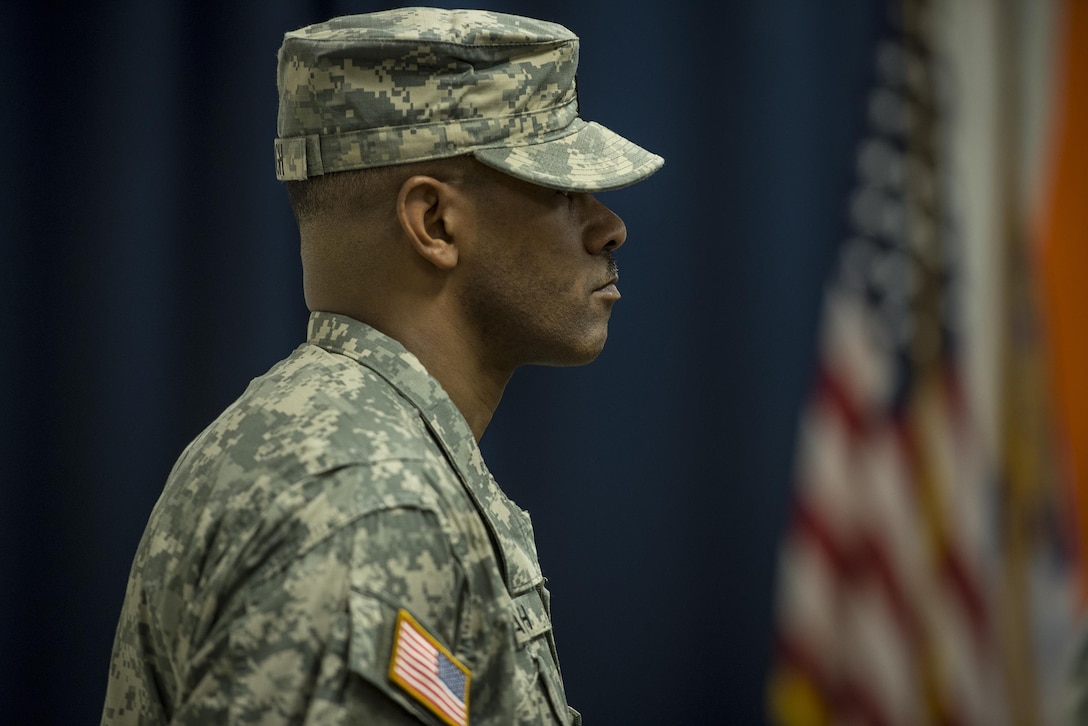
{"x":553,"y":687}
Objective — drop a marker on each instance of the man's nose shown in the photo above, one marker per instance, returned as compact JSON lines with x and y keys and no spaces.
{"x":606,"y":232}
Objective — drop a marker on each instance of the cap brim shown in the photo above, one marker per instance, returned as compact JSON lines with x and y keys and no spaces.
{"x":589,"y":159}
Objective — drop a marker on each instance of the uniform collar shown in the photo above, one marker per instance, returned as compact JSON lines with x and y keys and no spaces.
{"x":509,"y":524}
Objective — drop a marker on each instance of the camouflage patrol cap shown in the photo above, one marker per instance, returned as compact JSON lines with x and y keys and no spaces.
{"x":422,"y":83}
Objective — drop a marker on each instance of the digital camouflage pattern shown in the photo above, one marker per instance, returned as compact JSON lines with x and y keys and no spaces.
{"x":341,"y":486}
{"x":423,"y":83}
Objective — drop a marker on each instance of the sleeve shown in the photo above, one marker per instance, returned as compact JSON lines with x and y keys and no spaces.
{"x":314,"y":643}
{"x":402,"y":563}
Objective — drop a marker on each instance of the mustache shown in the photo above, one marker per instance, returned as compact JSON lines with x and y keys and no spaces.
{"x":613,"y":266}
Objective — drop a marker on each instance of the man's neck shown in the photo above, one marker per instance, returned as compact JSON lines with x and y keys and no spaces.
{"x":473,"y":386}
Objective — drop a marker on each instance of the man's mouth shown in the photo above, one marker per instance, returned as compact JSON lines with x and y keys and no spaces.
{"x":609,"y":288}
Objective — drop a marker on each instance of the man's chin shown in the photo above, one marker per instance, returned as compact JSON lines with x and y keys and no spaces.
{"x":573,"y":356}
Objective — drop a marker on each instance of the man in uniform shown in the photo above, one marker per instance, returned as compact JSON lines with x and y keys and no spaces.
{"x":332,"y":549}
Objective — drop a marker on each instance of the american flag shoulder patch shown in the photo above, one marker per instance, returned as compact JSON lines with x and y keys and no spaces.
{"x":428,"y":672}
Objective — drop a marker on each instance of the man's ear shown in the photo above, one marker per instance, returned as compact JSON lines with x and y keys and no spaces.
{"x":432,"y":214}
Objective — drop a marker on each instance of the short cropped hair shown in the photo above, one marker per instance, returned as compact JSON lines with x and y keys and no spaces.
{"x":320,"y":195}
{"x":317,"y":196}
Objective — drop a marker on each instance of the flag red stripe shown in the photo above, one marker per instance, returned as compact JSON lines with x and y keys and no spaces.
{"x":832,"y":392}
{"x":966,"y":588}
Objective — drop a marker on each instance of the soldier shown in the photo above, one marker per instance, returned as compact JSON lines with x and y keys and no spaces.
{"x":332,"y":549}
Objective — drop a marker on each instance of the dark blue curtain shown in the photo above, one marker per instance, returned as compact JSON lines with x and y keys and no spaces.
{"x":150,"y":270}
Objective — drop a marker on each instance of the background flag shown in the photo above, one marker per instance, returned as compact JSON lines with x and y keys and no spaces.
{"x":929,"y":571}
{"x":884,"y":613}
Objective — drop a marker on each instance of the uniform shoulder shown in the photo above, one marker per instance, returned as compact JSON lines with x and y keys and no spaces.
{"x":314,"y":412}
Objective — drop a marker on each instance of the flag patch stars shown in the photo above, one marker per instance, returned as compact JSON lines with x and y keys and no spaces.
{"x":428,"y":672}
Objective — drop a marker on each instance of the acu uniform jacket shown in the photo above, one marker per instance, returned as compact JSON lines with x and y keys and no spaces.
{"x":333,"y":550}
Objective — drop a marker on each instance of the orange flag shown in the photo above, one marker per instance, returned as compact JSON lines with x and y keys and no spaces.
{"x":1064,"y":264}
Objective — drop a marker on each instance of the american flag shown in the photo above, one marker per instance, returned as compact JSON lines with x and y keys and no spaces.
{"x":429,"y":672}
{"x":884,"y":613}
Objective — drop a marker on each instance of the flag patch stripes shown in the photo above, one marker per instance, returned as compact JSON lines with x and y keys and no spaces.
{"x":428,"y":672}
